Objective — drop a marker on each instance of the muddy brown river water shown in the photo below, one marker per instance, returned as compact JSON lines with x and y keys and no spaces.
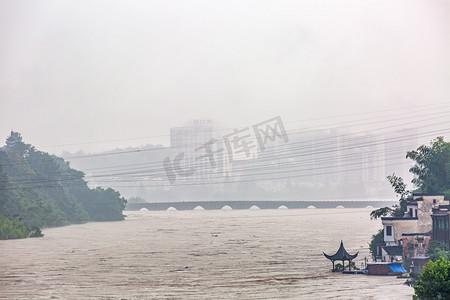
{"x":235,"y":254}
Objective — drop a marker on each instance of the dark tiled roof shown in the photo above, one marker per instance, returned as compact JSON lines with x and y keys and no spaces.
{"x":393,"y":250}
{"x":341,"y":254}
{"x":439,"y":215}
{"x":412,"y":234}
{"x":398,"y":218}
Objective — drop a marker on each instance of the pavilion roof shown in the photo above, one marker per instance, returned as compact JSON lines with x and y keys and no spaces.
{"x":341,"y":254}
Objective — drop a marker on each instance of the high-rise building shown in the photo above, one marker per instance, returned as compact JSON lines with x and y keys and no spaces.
{"x":195,"y":144}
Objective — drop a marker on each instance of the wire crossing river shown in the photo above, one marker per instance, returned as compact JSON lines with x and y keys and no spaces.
{"x":242,"y":254}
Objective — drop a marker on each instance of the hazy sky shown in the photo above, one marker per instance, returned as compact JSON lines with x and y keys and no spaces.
{"x":73,"y":72}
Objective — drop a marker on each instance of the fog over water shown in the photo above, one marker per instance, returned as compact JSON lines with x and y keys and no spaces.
{"x":232,"y":254}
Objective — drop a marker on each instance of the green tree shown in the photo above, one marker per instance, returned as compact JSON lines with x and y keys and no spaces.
{"x":434,"y":281}
{"x":377,"y":239}
{"x":12,"y":229}
{"x":432,"y":167}
{"x":4,"y":188}
{"x":401,"y":190}
{"x":437,"y":250}
{"x":103,"y":204}
{"x":15,"y":143}
{"x":42,"y":190}
{"x":432,"y":175}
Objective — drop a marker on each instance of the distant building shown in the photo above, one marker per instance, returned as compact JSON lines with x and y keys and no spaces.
{"x":192,"y":142}
{"x":337,"y":161}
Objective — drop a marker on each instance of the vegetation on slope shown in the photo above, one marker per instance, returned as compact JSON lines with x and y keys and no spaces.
{"x":42,"y":190}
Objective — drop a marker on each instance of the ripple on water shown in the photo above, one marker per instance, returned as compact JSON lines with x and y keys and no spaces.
{"x":239,"y":255}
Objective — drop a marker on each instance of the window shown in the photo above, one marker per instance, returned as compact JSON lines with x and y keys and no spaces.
{"x":389,"y":230}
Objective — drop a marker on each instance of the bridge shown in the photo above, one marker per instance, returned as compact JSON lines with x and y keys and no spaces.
{"x":248,"y":204}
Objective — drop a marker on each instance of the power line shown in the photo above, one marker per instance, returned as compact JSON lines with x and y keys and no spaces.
{"x":290,"y":152}
{"x":286,"y":151}
{"x":291,"y":132}
{"x":430,"y":106}
{"x":280,"y":172}
{"x":290,"y":149}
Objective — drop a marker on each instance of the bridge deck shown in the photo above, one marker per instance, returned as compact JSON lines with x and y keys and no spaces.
{"x":210,"y":205}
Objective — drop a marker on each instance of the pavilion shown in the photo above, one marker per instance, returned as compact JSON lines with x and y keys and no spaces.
{"x":341,"y":255}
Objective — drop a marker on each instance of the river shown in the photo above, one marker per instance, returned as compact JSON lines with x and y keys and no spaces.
{"x":217,"y":254}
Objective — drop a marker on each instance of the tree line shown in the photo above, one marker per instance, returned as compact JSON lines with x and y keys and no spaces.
{"x":41,"y":190}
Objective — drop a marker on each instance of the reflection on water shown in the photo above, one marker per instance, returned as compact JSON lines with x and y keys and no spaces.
{"x":229,"y":254}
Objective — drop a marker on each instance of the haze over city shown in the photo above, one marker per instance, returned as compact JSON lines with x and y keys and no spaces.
{"x":96,"y":76}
